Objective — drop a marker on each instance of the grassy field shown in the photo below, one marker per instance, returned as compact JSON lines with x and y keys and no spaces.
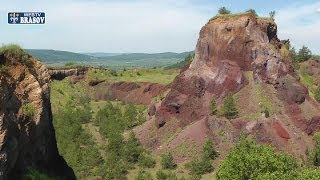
{"x":135,"y":75}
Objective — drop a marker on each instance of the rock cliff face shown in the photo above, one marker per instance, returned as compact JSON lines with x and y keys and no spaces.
{"x":238,"y":55}
{"x":227,"y":47}
{"x":61,"y":73}
{"x":27,"y":136}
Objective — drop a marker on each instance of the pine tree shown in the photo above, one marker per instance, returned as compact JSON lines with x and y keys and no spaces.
{"x":167,"y":161}
{"x":224,"y":10}
{"x":213,"y":107}
{"x":229,"y":107}
{"x":208,"y":149}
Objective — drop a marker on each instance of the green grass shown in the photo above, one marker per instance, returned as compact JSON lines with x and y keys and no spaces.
{"x":308,"y":81}
{"x":135,"y":75}
{"x":3,"y":69}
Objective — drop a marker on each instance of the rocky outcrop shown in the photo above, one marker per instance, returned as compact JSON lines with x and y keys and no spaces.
{"x":61,"y":73}
{"x":227,"y":47}
{"x":238,"y":55}
{"x":27,"y":136}
{"x":131,"y":92}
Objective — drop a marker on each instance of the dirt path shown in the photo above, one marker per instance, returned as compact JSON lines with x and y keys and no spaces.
{"x":97,"y":137}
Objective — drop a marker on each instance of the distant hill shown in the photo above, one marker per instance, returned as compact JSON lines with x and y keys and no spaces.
{"x":102,"y":54}
{"x":113,"y":60}
{"x":54,"y":57}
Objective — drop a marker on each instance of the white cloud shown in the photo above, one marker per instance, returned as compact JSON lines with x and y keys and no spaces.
{"x":300,"y":24}
{"x":318,"y":10}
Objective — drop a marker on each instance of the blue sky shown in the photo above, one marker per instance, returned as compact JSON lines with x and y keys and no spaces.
{"x":146,"y":25}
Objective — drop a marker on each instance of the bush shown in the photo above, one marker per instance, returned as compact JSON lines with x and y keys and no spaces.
{"x":208,"y":150}
{"x":146,"y":161}
{"x":252,"y":11}
{"x":213,"y":107}
{"x":114,"y":73}
{"x":161,"y":175}
{"x":16,"y":52}
{"x":167,"y":161}
{"x":317,"y":94}
{"x":138,"y":73}
{"x":229,"y":107}
{"x":266,"y":113}
{"x":34,"y":174}
{"x":133,"y":149}
{"x":3,"y":69}
{"x":224,"y":10}
{"x":200,"y":167}
{"x":143,"y":175}
{"x":248,"y":160}
{"x":316,"y":153}
{"x":28,"y":110}
{"x":272,"y":14}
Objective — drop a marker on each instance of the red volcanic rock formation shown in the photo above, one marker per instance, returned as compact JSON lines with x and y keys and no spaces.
{"x":132,"y":92}
{"x":226,"y":48}
{"x":27,"y":137}
{"x":242,"y":56}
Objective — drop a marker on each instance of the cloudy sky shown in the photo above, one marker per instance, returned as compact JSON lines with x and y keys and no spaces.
{"x":146,"y":25}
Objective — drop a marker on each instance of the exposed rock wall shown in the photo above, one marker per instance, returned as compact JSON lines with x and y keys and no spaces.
{"x":61,"y":73}
{"x":27,"y":136}
{"x":227,"y":47}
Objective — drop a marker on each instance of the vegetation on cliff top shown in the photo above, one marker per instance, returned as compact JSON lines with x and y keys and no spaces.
{"x":17,"y":53}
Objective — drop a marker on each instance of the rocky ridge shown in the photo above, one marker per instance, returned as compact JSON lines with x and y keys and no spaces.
{"x":27,"y":137}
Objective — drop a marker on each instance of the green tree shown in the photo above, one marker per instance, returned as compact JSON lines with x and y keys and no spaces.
{"x":229,"y":107}
{"x":252,"y":11}
{"x":213,"y":107}
{"x":304,"y":54}
{"x":248,"y":160}
{"x":161,"y":175}
{"x":224,"y":10}
{"x":167,"y":161}
{"x":208,"y":149}
{"x":317,"y":94}
{"x":146,"y":161}
{"x":133,"y":149}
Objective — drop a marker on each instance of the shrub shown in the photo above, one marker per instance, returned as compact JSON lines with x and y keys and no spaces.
{"x":200,"y":167}
{"x":28,"y":110}
{"x":272,"y":14}
{"x":143,"y":175}
{"x":252,"y":11}
{"x":248,"y":160}
{"x":34,"y":174}
{"x":208,"y":149}
{"x":316,"y":153}
{"x":114,"y":73}
{"x":3,"y":69}
{"x":146,"y":161}
{"x":70,"y":64}
{"x":138,"y":73}
{"x":213,"y":107}
{"x":161,"y":175}
{"x":229,"y":107}
{"x":266,"y":113}
{"x":167,"y":161}
{"x":133,"y":149}
{"x":224,"y":10}
{"x":317,"y":94}
{"x":15,"y":51}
